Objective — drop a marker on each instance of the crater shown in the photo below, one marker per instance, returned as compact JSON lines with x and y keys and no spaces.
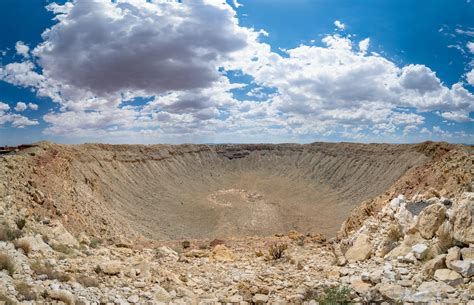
{"x":211,"y":191}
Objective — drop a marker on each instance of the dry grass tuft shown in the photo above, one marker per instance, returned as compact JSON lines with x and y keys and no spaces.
{"x":26,"y":291}
{"x":87,"y":281}
{"x":6,"y":263}
{"x":50,"y":273}
{"x":23,"y":245}
{"x":276,"y":251}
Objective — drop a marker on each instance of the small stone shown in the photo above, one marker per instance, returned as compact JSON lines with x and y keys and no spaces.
{"x":450,"y":277}
{"x":133,"y":299}
{"x":260,"y":298}
{"x":420,"y":251}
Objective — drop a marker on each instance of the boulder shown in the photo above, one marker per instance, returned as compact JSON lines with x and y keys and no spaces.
{"x":360,"y":287}
{"x":222,"y":253}
{"x":420,"y":251}
{"x":166,"y":253}
{"x":454,"y":254}
{"x":61,"y":236}
{"x":360,"y":250}
{"x":463,"y":213}
{"x":449,"y":277}
{"x":430,"y":219}
{"x":465,"y":268}
{"x":392,"y":291}
{"x":445,"y":236}
{"x":429,"y":291}
{"x":467,"y":254}
{"x":434,"y":264}
{"x":111,"y":268}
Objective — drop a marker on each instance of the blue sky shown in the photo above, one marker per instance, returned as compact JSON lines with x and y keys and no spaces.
{"x":248,"y":71}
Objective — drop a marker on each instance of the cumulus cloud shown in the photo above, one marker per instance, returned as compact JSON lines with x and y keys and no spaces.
{"x":20,"y":106}
{"x":339,"y":25}
{"x":470,"y":77}
{"x":33,"y":106}
{"x":158,"y":68}
{"x":107,"y":47}
{"x":470,"y":46}
{"x":22,"y":49}
{"x":4,"y":107}
{"x":16,"y":120}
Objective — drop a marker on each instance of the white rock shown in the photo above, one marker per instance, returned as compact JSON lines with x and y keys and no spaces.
{"x":465,"y":268}
{"x":260,"y":298}
{"x":420,"y":251}
{"x":450,"y":277}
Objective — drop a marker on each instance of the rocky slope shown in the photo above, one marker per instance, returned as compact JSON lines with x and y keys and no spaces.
{"x":411,"y":248}
{"x":201,"y":191}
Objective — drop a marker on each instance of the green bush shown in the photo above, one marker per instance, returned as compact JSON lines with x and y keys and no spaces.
{"x":335,"y":296}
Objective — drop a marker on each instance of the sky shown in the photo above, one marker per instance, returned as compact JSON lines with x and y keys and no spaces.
{"x":241,"y":71}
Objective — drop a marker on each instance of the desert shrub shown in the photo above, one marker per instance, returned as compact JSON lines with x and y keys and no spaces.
{"x":45,"y":238}
{"x":20,"y":223}
{"x":311,"y":294}
{"x":9,"y":234}
{"x":26,"y":291}
{"x":50,"y":273}
{"x":276,"y":251}
{"x":95,"y":242}
{"x":186,"y":244}
{"x":216,"y":242}
{"x":6,"y":263}
{"x":23,"y":245}
{"x":87,"y":281}
{"x":259,"y":253}
{"x":202,"y":246}
{"x":63,"y":249}
{"x":335,"y":295}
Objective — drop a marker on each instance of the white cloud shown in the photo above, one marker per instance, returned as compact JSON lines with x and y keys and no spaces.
{"x":107,"y":48}
{"x":22,"y":49}
{"x":20,"y":106}
{"x":152,"y":69}
{"x":470,"y":77}
{"x":470,"y":46}
{"x":4,"y":107}
{"x":16,"y":120}
{"x":33,"y":106}
{"x":339,"y":25}
{"x":364,"y":45}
